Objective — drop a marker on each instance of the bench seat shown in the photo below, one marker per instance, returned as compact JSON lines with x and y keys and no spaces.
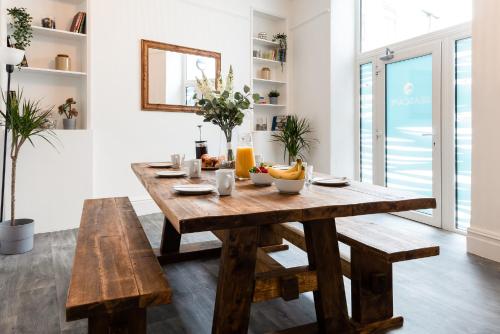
{"x":115,"y":274}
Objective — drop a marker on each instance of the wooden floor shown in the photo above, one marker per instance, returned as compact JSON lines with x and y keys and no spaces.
{"x":452,"y":293}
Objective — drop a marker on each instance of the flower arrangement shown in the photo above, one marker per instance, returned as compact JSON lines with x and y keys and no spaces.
{"x":67,"y":110}
{"x":222,"y":106}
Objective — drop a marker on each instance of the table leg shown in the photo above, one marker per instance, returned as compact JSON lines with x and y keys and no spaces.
{"x":172,"y":251}
{"x":235,"y":285}
{"x":324,"y":257}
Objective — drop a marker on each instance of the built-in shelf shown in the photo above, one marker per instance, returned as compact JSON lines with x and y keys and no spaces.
{"x":269,"y":105}
{"x":265,"y":42}
{"x":269,"y":81}
{"x":57,"y":33}
{"x":52,"y":71}
{"x":264,"y":60}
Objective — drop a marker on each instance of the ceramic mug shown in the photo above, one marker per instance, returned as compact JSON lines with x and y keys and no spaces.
{"x":194,"y":167}
{"x":177,"y":160}
{"x":224,"y":179}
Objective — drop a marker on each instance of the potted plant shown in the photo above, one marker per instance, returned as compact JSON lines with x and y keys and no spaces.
{"x":295,"y":137}
{"x":273,"y":96}
{"x":22,"y":33}
{"x":222,"y":106}
{"x":281,"y":38}
{"x":24,"y":119}
{"x":66,"y":109}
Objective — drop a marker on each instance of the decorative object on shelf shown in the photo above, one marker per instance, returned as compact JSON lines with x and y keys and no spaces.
{"x":273,"y":96}
{"x":256,"y":53}
{"x":295,"y":137}
{"x":50,"y":122}
{"x":261,"y":125}
{"x":223,"y":106}
{"x":49,"y":23}
{"x":79,"y":23}
{"x":63,"y":62}
{"x":66,"y":109}
{"x":22,"y":33}
{"x":265,"y":73}
{"x":262,"y":100}
{"x":279,"y":123}
{"x":23,"y":119}
{"x":281,"y":38}
{"x":262,"y":35}
{"x":11,"y":57}
{"x":201,"y":145}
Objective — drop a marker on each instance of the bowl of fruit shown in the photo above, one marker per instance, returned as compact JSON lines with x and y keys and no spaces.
{"x":290,"y":181}
{"x":260,"y":176}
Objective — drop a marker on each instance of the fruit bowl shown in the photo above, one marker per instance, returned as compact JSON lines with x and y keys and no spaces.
{"x":289,"y":186}
{"x":261,"y":179}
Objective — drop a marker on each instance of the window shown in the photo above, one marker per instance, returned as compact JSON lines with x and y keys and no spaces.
{"x":384,"y":22}
{"x":463,"y":132}
{"x":366,"y":122}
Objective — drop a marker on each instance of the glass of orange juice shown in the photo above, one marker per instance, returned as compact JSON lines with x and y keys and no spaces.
{"x":245,"y":158}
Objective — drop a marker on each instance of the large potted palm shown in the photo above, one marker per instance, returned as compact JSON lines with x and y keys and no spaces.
{"x":24,"y":120}
{"x":295,"y":138}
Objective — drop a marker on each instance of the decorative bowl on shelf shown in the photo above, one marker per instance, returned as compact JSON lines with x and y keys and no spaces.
{"x":289,"y":186}
{"x":261,"y":179}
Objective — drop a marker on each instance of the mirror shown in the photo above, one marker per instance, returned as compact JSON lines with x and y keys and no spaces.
{"x":169,"y":75}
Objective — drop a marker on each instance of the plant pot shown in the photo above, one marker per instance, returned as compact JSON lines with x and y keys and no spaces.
{"x":16,"y":239}
{"x":69,"y":124}
{"x":273,"y":100}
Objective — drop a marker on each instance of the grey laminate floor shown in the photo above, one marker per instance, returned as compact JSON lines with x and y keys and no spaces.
{"x":452,"y":293}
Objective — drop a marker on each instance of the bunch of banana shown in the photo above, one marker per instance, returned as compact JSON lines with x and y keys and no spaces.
{"x":297,"y":172}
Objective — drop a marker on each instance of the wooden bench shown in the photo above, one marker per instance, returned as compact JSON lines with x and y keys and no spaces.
{"x":115,"y":275}
{"x":373,"y":250}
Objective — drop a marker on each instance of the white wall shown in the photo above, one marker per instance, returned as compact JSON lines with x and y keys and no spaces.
{"x":122,"y":132}
{"x":323,"y":79}
{"x":484,"y":234}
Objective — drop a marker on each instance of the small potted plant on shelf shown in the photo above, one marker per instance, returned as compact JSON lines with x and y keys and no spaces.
{"x":281,"y":38}
{"x":295,"y":137}
{"x":273,"y":96}
{"x":22,"y":33}
{"x":66,"y":109}
{"x":24,"y":120}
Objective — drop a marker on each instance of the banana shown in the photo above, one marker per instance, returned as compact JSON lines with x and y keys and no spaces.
{"x":294,"y":173}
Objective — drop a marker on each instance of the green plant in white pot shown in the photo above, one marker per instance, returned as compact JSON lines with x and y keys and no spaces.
{"x":24,"y":120}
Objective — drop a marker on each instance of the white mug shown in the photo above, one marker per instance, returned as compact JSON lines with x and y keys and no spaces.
{"x":225,"y":181}
{"x":177,"y":160}
{"x":194,"y":167}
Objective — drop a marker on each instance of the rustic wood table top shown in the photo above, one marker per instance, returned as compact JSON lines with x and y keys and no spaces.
{"x":250,"y":205}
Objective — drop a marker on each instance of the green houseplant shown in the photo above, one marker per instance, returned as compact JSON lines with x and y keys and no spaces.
{"x":273,"y":96}
{"x":22,"y":33}
{"x":24,"y":120}
{"x":222,"y":106}
{"x":281,"y":38}
{"x":295,"y":138}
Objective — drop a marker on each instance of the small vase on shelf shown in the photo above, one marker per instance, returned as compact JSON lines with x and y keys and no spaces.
{"x":69,"y":124}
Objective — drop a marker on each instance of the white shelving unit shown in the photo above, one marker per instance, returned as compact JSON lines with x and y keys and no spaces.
{"x":40,"y":80}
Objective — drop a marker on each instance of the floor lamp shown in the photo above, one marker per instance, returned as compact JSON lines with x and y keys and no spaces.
{"x":10,"y":57}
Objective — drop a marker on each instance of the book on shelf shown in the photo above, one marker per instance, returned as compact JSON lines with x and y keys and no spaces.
{"x":279,"y":123}
{"x":79,"y":23}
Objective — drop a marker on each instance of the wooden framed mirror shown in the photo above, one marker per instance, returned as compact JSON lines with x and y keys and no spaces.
{"x":168,"y":75}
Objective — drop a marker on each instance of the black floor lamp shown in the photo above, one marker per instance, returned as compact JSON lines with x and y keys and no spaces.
{"x":10,"y":57}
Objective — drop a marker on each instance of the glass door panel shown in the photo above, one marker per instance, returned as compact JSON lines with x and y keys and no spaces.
{"x":366,"y":123}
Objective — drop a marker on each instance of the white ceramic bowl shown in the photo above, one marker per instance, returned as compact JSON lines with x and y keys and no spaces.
{"x":261,"y":179}
{"x":289,"y":186}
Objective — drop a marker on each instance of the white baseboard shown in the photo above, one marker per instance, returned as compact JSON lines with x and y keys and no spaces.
{"x":483,"y":243}
{"x":144,"y":206}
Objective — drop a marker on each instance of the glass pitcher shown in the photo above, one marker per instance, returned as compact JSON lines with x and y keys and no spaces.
{"x":245,"y":158}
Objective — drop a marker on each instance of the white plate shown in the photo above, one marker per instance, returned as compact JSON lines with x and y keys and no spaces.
{"x":334,"y":181}
{"x":173,"y":173}
{"x":161,"y":165}
{"x":194,"y":189}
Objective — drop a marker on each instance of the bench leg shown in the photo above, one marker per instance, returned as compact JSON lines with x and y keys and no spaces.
{"x":235,"y":285}
{"x":371,"y":287}
{"x":130,"y":322}
{"x":324,"y":257}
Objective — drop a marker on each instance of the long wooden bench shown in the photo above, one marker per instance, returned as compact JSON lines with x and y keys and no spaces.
{"x":373,"y":250}
{"x":115,"y":275}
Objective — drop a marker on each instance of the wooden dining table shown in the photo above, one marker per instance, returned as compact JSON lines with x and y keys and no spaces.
{"x":243,"y":219}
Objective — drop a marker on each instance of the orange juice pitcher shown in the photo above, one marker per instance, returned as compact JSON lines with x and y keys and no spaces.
{"x":245,"y":158}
